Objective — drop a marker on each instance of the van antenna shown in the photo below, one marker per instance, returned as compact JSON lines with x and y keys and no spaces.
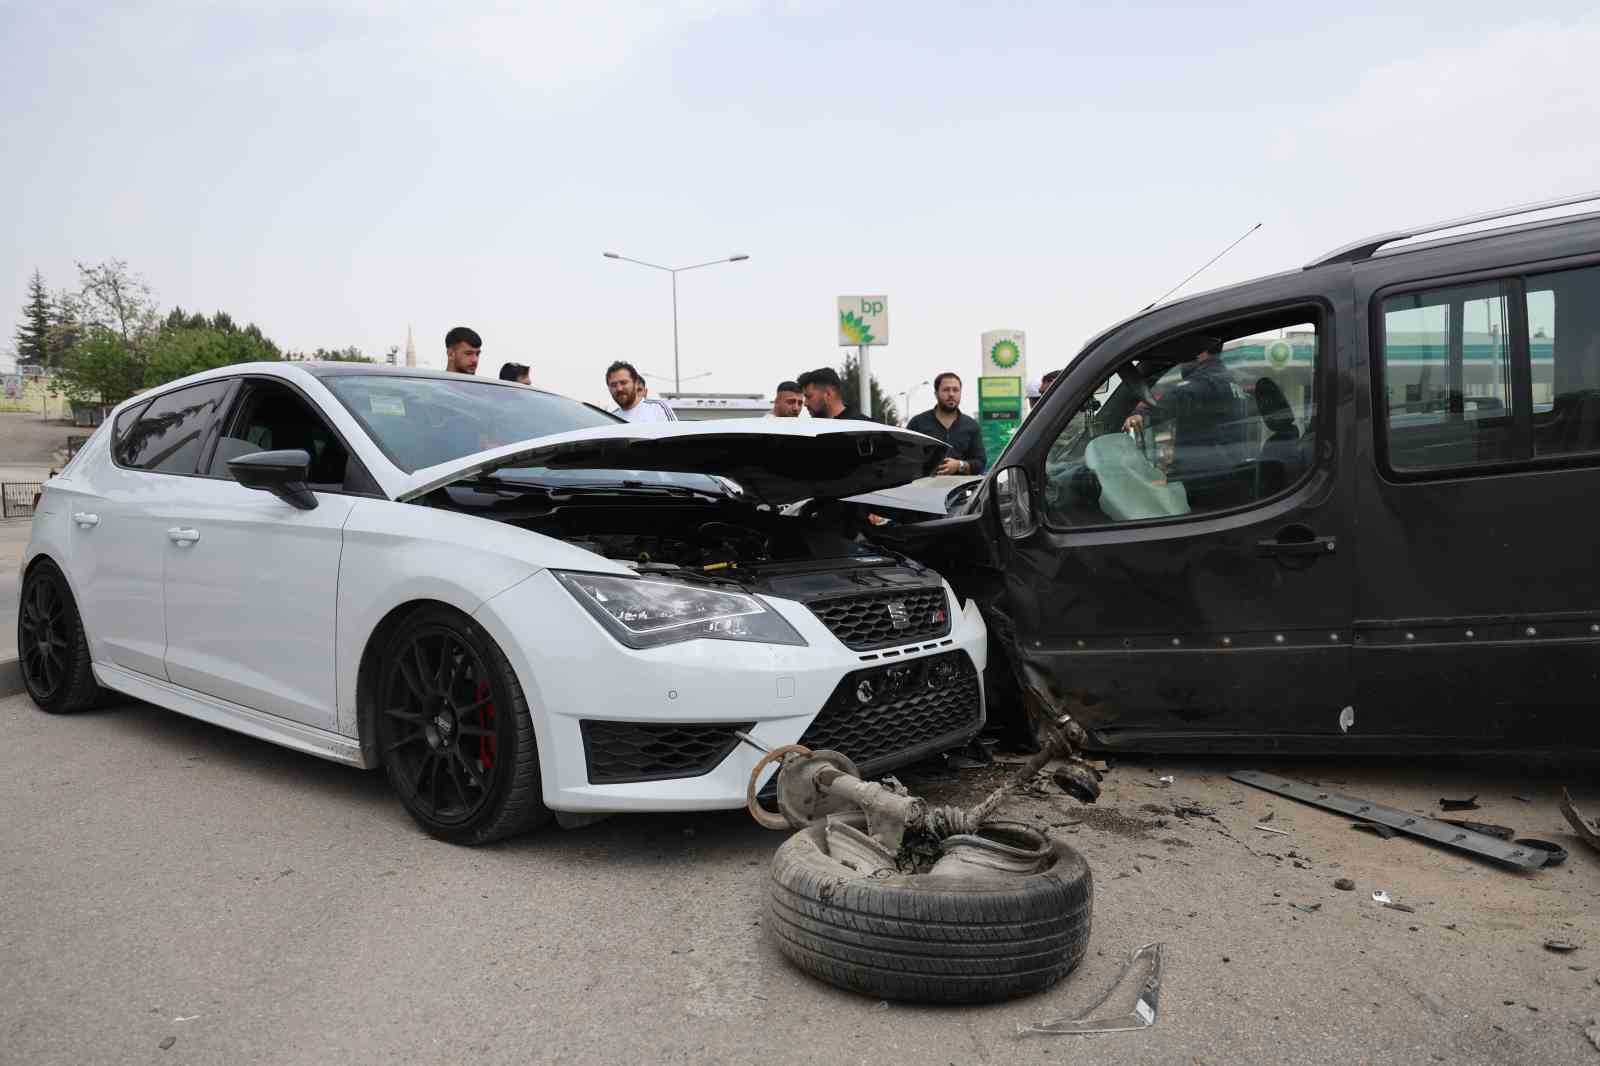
{"x":1208,"y":262}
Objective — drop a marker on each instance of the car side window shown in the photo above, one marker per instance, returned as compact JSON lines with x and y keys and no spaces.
{"x":1564,"y":346}
{"x":168,"y":435}
{"x":271,"y":416}
{"x":1199,"y":424}
{"x":1447,"y":377}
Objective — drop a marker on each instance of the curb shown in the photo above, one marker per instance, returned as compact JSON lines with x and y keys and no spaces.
{"x":10,"y":678}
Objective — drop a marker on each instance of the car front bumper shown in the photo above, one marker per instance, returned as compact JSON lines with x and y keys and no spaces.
{"x":571,"y":670}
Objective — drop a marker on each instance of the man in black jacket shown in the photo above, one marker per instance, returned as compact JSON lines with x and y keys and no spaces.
{"x":824,"y":395}
{"x":946,"y":422}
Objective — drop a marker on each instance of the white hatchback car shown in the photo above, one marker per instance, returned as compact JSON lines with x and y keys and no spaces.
{"x":514,"y":603}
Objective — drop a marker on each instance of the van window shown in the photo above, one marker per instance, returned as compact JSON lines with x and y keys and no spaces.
{"x":1199,"y":424}
{"x":1564,"y":345}
{"x":1446,"y":377}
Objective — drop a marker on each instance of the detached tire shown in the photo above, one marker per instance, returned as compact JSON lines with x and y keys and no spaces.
{"x":929,"y":939}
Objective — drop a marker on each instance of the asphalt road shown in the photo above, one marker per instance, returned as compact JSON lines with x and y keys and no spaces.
{"x":162,"y":878}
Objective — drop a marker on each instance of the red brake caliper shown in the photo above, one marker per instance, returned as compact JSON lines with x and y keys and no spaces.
{"x":485,"y":719}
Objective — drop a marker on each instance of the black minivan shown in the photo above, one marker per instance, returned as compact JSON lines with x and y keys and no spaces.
{"x":1342,"y":506}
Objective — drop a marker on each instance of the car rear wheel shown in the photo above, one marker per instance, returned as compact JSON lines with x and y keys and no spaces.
{"x":51,"y":644}
{"x":454,"y":732}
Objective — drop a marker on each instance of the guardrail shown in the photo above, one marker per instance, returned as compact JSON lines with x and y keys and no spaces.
{"x":17,"y":498}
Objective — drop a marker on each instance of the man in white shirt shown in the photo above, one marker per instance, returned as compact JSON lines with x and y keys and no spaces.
{"x":626,"y":388}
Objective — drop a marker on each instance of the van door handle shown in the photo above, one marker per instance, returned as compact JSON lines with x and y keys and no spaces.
{"x":85,"y":519}
{"x":1297,"y":540}
{"x":183,"y":537}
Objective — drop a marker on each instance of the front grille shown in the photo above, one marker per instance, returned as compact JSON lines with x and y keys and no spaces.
{"x":883,"y":619}
{"x":912,"y":709}
{"x":617,"y":752}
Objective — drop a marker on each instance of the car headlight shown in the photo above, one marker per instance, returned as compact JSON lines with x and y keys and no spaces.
{"x":647,"y":613}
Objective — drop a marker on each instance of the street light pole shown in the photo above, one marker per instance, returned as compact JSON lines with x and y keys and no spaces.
{"x":677,"y":378}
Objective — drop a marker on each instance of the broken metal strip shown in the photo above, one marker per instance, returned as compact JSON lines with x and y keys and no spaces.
{"x":1143,"y":1015}
{"x":1403,"y":821}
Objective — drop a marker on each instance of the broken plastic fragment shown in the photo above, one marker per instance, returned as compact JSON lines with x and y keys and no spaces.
{"x":1143,"y":1015}
{"x":1347,"y":718}
{"x":1380,"y":896}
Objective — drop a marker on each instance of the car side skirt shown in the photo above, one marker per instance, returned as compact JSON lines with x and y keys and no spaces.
{"x":274,"y":730}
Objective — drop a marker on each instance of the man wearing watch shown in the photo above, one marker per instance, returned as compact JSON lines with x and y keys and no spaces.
{"x":946,"y":422}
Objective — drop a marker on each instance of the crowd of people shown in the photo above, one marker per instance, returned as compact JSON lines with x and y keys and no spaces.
{"x":820,"y":392}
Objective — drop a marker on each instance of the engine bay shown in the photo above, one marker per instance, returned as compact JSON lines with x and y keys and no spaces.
{"x":696,"y":535}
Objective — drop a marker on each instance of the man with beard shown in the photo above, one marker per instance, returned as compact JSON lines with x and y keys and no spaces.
{"x":946,"y":422}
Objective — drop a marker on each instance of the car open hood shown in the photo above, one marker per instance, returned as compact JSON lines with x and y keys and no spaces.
{"x":776,"y":460}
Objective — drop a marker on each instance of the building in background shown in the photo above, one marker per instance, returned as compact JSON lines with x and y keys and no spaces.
{"x":411,"y":349}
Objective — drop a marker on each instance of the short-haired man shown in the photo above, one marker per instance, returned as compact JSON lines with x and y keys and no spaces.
{"x":1047,"y":379}
{"x":944,"y":421}
{"x":515,"y":372}
{"x":787,"y":400}
{"x":823,"y":392}
{"x":626,"y":388}
{"x":461,"y":349}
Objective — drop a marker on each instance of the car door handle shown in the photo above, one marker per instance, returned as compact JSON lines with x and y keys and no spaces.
{"x":85,"y":519}
{"x":1297,"y":540}
{"x":183,"y":537}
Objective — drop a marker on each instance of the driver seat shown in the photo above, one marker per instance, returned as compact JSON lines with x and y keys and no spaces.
{"x":1282,"y":459}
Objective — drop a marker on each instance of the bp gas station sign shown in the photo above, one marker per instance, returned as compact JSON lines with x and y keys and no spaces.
{"x":1003,"y":367}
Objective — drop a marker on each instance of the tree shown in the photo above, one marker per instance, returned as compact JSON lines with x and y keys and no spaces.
{"x":112,"y":298}
{"x":33,"y":334}
{"x":98,"y":369}
{"x":114,"y":319}
{"x":189,"y":343}
{"x":883,"y":410}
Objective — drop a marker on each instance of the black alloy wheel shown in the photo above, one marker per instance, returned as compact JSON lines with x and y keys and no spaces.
{"x":51,"y":644}
{"x":454,"y":732}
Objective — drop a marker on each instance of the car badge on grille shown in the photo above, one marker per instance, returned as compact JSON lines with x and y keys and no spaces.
{"x":899,"y":617}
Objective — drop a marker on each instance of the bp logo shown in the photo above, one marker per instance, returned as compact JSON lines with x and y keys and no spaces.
{"x":1005,"y":354}
{"x":1279,"y":353}
{"x":853,"y":329}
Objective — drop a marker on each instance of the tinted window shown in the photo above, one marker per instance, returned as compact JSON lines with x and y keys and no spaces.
{"x":420,"y":422}
{"x":1176,"y":432}
{"x":1564,"y":323}
{"x":125,"y":420}
{"x":271,"y":417}
{"x":167,"y":437}
{"x":1446,"y":377}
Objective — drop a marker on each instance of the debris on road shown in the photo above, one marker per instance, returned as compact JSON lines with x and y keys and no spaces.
{"x":1143,"y":1015}
{"x":1267,"y":829}
{"x":1375,"y":828}
{"x":1078,"y":780}
{"x":1592,"y":1031}
{"x":1269,"y":816}
{"x":1556,"y":854}
{"x":1161,"y":782}
{"x":1586,"y":829}
{"x":1344,"y":884}
{"x":1503,"y":832}
{"x":1308,"y":908}
{"x":1381,"y":898}
{"x":1411,"y":824}
{"x":1468,"y":804}
{"x":166,"y":1044}
{"x":1560,"y":947}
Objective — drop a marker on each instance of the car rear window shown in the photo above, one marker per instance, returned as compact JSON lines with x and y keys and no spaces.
{"x":421,"y":422}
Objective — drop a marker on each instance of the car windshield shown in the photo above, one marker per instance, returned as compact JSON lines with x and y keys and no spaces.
{"x":420,"y":422}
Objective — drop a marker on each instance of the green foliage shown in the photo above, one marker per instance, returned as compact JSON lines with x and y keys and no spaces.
{"x":33,"y":333}
{"x":188,"y":344}
{"x":883,"y":409}
{"x":351,"y":354}
{"x":98,"y":368}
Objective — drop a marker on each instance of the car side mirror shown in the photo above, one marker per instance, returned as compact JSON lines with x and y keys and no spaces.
{"x":282,"y":473}
{"x":1013,"y":497}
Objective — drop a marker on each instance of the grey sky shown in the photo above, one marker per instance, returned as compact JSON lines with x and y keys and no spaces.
{"x":337,"y":171}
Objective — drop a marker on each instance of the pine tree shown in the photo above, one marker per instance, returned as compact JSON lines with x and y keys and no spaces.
{"x":33,"y":334}
{"x":883,"y":409}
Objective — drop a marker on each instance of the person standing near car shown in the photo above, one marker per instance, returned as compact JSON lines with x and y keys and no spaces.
{"x":824,"y":397}
{"x":516,"y":372}
{"x":461,"y":349}
{"x":944,"y":421}
{"x":787,"y":400}
{"x":626,"y":388}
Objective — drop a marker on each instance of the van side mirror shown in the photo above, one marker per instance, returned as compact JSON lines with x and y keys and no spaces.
{"x":282,"y":473}
{"x":1013,"y":496}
